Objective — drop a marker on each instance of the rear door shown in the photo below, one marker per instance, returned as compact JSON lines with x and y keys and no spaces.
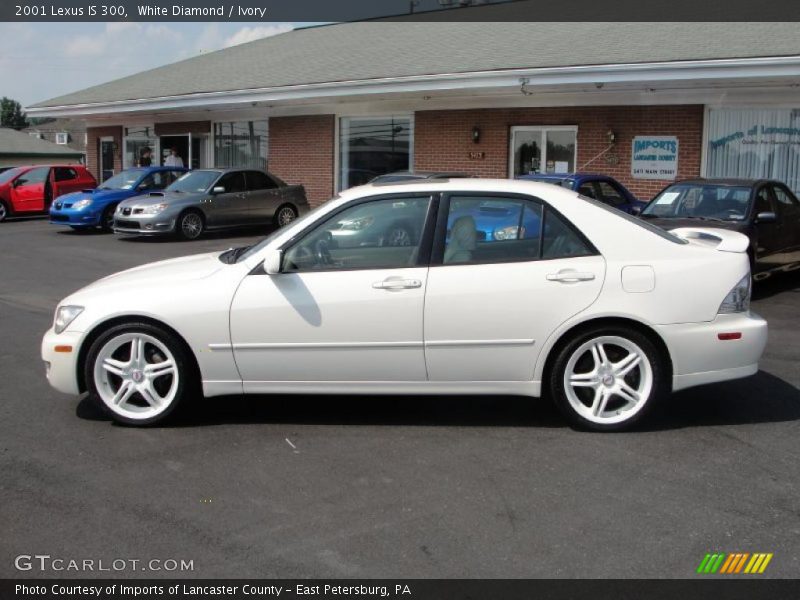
{"x":65,"y":180}
{"x":28,"y":190}
{"x":263,"y":196}
{"x":506,"y":271}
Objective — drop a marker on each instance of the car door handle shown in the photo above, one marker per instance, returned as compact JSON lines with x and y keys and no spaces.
{"x":567,"y":276}
{"x":397,"y":284}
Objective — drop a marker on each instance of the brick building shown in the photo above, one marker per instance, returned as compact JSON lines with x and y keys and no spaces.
{"x":333,"y":106}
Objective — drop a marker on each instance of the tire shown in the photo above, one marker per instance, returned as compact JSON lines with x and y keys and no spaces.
{"x":190,"y":225}
{"x":5,"y":212}
{"x":397,"y":235}
{"x":121,"y":378}
{"x":107,"y":218}
{"x":285,"y":215}
{"x":607,"y":393}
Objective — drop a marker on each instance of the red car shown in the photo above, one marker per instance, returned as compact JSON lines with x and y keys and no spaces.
{"x":29,"y":190}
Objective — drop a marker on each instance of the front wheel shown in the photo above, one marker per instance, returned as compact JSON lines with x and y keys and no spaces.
{"x":4,"y":211}
{"x":107,"y":218}
{"x":139,"y":373}
{"x":190,"y":225}
{"x":608,"y":378}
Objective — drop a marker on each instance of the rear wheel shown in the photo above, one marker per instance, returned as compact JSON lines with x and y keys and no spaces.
{"x":285,"y":215}
{"x":608,"y":378}
{"x":190,"y":225}
{"x":4,"y":211}
{"x":138,"y":373}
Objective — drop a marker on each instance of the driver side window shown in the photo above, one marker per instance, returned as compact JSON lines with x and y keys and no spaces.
{"x":381,"y":234}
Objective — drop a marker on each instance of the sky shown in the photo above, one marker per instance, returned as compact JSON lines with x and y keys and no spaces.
{"x":39,"y":61}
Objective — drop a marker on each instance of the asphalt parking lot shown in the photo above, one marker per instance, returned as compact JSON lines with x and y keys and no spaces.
{"x":383,"y":487}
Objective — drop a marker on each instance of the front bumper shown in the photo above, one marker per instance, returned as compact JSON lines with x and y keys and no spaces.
{"x":700,"y":357}
{"x":61,"y":366}
{"x":75,"y":218}
{"x":142,"y":224}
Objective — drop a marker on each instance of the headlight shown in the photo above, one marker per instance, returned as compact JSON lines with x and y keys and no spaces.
{"x":506,"y":233}
{"x":64,"y":316}
{"x":154,"y":209}
{"x":738,"y":299}
{"x":82,"y":204}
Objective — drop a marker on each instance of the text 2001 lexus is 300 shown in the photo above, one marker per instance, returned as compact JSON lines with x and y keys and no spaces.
{"x":461,"y":286}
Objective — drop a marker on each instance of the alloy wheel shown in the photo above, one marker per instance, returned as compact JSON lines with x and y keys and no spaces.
{"x":3,"y":212}
{"x":285,"y":216}
{"x":608,"y":380}
{"x":191,"y":225}
{"x":136,"y":376}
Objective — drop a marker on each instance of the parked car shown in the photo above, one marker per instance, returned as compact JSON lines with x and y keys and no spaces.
{"x":208,"y":199}
{"x":593,"y":185}
{"x":765,"y":210}
{"x":398,"y":176}
{"x":569,"y":308}
{"x":88,"y":209}
{"x":30,"y":190}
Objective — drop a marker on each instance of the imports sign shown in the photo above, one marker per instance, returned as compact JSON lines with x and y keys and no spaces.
{"x":654,"y":157}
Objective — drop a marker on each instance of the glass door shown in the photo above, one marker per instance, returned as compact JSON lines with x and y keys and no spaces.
{"x":537,"y":150}
{"x":106,"y":157}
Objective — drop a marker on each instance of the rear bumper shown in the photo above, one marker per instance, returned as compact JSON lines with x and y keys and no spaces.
{"x":700,"y":357}
{"x":61,"y":368}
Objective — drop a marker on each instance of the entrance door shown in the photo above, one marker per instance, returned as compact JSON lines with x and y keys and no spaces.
{"x":181,"y":144}
{"x":106,"y":154}
{"x":537,"y":150}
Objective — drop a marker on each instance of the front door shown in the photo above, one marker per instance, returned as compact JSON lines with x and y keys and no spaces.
{"x":30,"y":189}
{"x":497,"y":290}
{"x":347,"y":306}
{"x":106,"y":154}
{"x":176,"y":150}
{"x":769,"y":241}
{"x":231,"y":206}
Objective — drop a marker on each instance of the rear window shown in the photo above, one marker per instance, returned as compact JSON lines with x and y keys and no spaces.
{"x":662,"y":233}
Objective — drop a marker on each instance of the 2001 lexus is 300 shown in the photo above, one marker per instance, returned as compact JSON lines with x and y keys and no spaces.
{"x":461,"y":286}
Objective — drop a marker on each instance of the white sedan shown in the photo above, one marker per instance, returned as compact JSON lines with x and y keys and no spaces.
{"x":462,"y":286}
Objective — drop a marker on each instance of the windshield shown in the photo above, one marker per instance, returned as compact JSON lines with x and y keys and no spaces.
{"x":263,"y":243}
{"x":10,"y":174}
{"x":122,"y":181}
{"x":194,"y":181}
{"x":700,"y":201}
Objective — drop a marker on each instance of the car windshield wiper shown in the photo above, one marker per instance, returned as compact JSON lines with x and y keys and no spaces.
{"x":231,"y":256}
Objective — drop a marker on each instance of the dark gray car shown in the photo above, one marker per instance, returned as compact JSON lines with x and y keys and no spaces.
{"x":209,"y":199}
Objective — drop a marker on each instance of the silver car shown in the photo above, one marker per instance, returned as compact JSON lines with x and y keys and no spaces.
{"x":209,"y":199}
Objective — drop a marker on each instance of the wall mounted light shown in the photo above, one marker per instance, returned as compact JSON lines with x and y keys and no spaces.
{"x":612,"y":137}
{"x":476,"y":134}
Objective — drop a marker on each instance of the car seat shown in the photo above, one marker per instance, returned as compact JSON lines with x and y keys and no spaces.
{"x":463,"y":240}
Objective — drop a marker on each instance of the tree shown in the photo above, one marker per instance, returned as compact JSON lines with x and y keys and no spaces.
{"x":11,"y":114}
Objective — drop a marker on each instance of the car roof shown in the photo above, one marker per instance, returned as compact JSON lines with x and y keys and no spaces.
{"x":724,"y":181}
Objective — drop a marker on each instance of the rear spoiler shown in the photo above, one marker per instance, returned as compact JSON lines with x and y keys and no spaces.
{"x":723,"y":240}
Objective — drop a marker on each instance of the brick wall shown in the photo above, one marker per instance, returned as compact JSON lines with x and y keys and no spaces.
{"x":301,"y":150}
{"x":442,"y":139}
{"x":93,"y":146}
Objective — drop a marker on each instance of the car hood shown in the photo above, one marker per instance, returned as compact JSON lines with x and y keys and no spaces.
{"x":95,"y":194}
{"x":157,"y":198}
{"x":669,"y":224}
{"x":186,"y":268}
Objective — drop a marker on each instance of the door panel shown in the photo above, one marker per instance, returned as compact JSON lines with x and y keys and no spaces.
{"x":487,"y":322}
{"x":770,"y":241}
{"x":330,"y":326}
{"x":28,"y":195}
{"x":231,"y":207}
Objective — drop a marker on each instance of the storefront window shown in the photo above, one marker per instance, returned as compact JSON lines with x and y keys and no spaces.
{"x":141,"y":146}
{"x":537,"y":150}
{"x":755,"y":143}
{"x":373,"y":146}
{"x":241,"y":144}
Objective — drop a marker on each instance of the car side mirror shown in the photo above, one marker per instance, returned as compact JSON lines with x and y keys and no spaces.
{"x":17,"y":182}
{"x":272,"y":263}
{"x":218,"y":189}
{"x":636,"y":210}
{"x":766,"y":217}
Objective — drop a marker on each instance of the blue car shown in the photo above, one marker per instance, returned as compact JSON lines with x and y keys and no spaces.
{"x":95,"y":208}
{"x":600,"y":187}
